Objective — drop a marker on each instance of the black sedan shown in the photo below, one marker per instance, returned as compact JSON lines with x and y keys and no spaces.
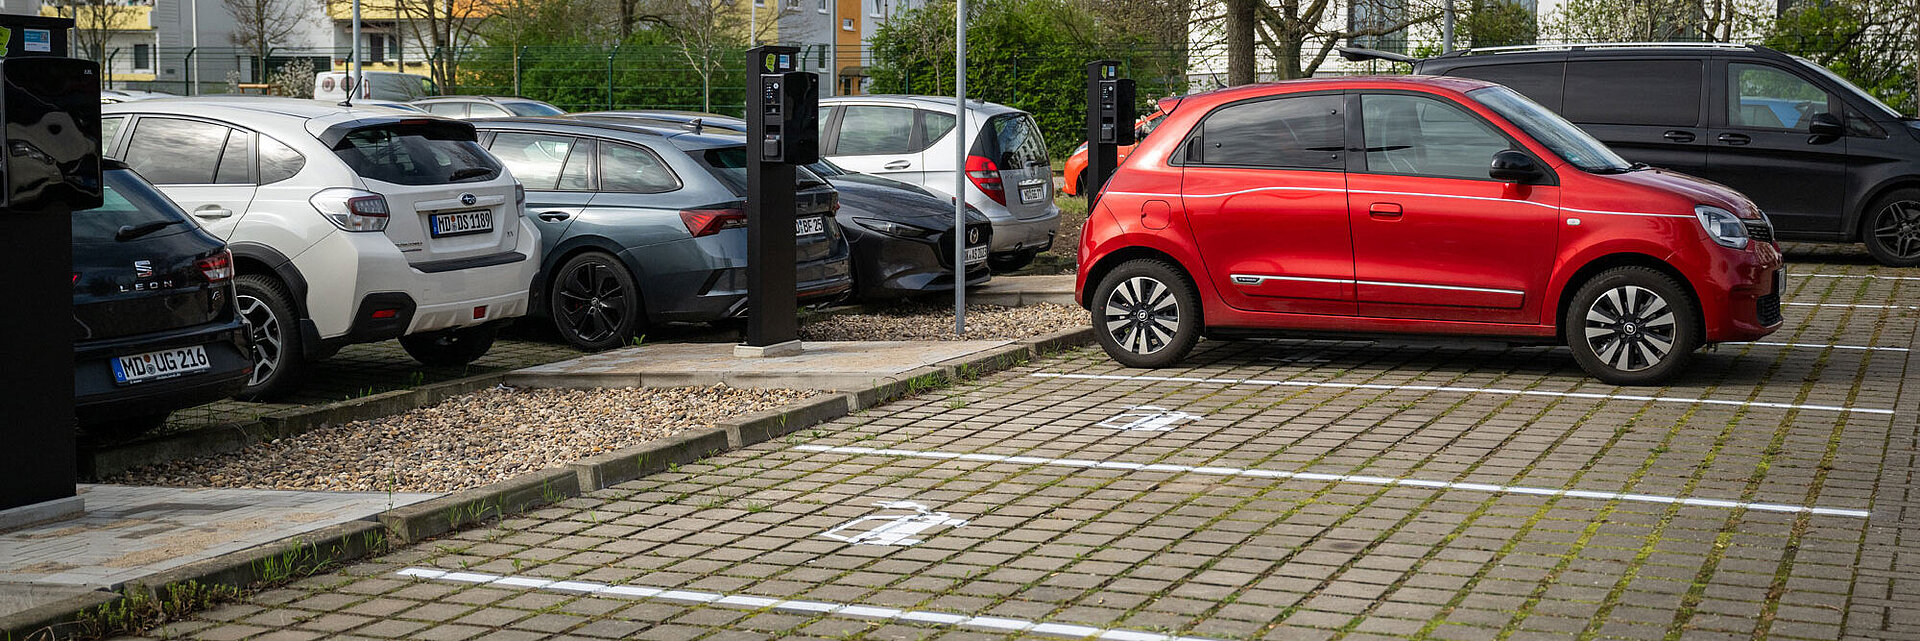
{"x":153,"y":312}
{"x":902,"y":236}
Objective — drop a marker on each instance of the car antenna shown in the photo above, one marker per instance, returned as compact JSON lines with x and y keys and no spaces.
{"x":696,"y":126}
{"x":348,"y":101}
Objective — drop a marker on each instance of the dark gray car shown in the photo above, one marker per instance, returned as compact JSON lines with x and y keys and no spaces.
{"x":643,"y":225}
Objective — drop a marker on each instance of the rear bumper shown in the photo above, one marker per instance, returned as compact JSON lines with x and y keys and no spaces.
{"x":705,"y":279}
{"x":98,"y":398}
{"x":346,"y":270}
{"x":1012,"y":235}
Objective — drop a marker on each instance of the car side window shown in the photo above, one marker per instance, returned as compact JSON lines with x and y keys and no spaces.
{"x":277,"y":161}
{"x":155,"y":150}
{"x":866,"y":131}
{"x":235,"y":162}
{"x":1301,"y":132}
{"x":535,"y":159}
{"x":109,"y":130}
{"x":1763,"y":97}
{"x":1656,"y":93}
{"x":630,"y":169}
{"x":1422,"y":136}
{"x":577,"y":175}
{"x":478,"y":110}
{"x":933,"y":126}
{"x":454,"y":109}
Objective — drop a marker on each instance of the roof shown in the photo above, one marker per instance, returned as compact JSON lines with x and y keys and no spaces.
{"x":320,"y":118}
{"x":678,"y":137}
{"x":476,"y":98}
{"x":935,"y":103}
{"x":1450,"y":83}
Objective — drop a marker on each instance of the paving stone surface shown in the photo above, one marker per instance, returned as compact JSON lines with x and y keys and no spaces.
{"x":1306,"y":489}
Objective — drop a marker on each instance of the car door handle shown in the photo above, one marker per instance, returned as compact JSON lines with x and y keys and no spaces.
{"x":1735,"y":139}
{"x":1384,"y":211}
{"x":554,"y":216}
{"x":1678,"y":136}
{"x":212,"y":211}
{"x":897,"y":164}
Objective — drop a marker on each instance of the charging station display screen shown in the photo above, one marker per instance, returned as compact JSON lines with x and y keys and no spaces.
{"x":52,"y":157}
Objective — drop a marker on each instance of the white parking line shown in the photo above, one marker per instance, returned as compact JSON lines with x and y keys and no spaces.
{"x":1869,"y":276}
{"x":1871,"y":348}
{"x":1463,"y":390}
{"x":996,"y":624}
{"x":1337,"y":478}
{"x":1853,"y":306}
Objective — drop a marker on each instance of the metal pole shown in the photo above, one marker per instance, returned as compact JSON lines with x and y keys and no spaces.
{"x":359,"y":74}
{"x":833,"y":47}
{"x":1446,"y":26}
{"x":194,"y":25}
{"x":517,"y":55}
{"x":959,"y":167}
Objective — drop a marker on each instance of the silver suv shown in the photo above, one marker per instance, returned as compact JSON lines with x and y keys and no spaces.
{"x":910,"y":139}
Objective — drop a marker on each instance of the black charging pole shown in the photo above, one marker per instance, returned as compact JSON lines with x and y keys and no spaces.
{"x":783,"y":130}
{"x":1109,"y":124}
{"x":50,"y":108}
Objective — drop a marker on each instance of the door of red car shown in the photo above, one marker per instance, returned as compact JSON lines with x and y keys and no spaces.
{"x":1264,"y":187}
{"x":1433,"y":236}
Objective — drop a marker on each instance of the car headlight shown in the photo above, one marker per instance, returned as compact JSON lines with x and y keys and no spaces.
{"x":891,"y":228}
{"x":1722,"y":226}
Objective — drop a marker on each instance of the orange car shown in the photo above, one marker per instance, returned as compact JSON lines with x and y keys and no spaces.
{"x":1077,"y":163}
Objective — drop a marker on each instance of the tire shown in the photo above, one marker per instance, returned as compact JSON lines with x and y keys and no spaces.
{"x":126,"y":428}
{"x":278,"y":360}
{"x":1619,"y":320}
{"x":1146,"y":313}
{"x":1005,"y":263}
{"x":450,"y":347}
{"x":1891,"y":228}
{"x":1080,"y":185}
{"x":594,"y":303}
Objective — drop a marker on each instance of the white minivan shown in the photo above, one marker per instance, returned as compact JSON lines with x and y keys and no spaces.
{"x":381,"y":85}
{"x":347,"y":225}
{"x":910,"y":139}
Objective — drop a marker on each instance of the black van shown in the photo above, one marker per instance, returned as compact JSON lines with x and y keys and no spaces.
{"x":1825,"y":160}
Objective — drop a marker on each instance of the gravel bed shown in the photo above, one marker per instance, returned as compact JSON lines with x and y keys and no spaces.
{"x":466,"y":441}
{"x":929,"y":321}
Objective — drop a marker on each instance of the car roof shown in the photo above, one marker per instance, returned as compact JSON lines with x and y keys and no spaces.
{"x":475,"y":99}
{"x":614,"y":128}
{"x":934,"y":103}
{"x":1450,"y":83}
{"x":314,"y":116}
{"x":1536,"y":53}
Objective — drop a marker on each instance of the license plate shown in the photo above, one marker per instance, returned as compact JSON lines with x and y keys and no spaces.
{"x":166,"y":363}
{"x":461,"y":222}
{"x":1033,"y":191}
{"x":976,"y":254}
{"x":809,"y":226}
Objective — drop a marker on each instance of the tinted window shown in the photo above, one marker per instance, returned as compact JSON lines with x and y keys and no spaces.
{"x":534,"y":159}
{"x":1538,"y":81}
{"x":1664,"y":93}
{"x":875,"y":130}
{"x":454,"y":109}
{"x":729,"y":164}
{"x":1548,"y":128}
{"x":1304,"y":132}
{"x":126,"y":201}
{"x":1768,"y":98}
{"x":156,"y":146}
{"x":479,"y":110}
{"x":533,"y":109}
{"x":277,"y":161}
{"x":632,"y":169}
{"x":1014,"y":143}
{"x":1422,"y":136}
{"x":427,"y":154}
{"x":934,"y":126}
{"x":234,"y":160}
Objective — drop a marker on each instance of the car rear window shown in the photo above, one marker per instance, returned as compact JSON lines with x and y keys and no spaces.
{"x":532,"y":109}
{"x":729,"y":164}
{"x":416,"y":155}
{"x":127,"y":201}
{"x":1015,"y":142}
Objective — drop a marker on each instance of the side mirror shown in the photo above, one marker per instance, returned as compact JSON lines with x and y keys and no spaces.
{"x":1514,"y":167}
{"x":1825,"y":128}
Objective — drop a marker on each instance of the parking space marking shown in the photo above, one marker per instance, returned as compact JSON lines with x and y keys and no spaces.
{"x":892,"y":529}
{"x":1463,"y":390}
{"x":1870,"y":348}
{"x":1851,"y":305}
{"x":1335,"y":478}
{"x":997,"y":624}
{"x":1148,"y":418}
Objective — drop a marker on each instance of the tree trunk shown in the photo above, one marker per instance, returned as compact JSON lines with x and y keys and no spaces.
{"x":1239,"y":42}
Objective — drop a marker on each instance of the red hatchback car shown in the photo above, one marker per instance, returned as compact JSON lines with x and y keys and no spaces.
{"x":1417,"y":205}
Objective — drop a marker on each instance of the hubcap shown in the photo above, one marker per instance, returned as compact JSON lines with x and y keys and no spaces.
{"x":1630,"y":328}
{"x":267,"y":337}
{"x":593,"y":304}
{"x":1142,"y":315}
{"x":1897,"y":228}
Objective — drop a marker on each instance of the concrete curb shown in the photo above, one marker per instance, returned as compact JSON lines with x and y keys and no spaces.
{"x":612,"y":468}
{"x":107,"y":461}
{"x":413,"y":523}
{"x":778,"y":422}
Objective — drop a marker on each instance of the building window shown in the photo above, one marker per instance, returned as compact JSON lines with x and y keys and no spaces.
{"x":143,"y":56}
{"x":846,"y":24}
{"x":873,"y":8}
{"x":376,"y":48}
{"x":823,"y":6}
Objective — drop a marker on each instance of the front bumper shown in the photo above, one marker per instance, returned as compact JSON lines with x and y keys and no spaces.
{"x":1748,"y":308}
{"x":98,"y":398}
{"x":891,"y":267}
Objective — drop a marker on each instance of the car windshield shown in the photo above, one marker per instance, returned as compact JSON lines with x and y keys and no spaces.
{"x":127,"y":201}
{"x":1572,"y":144}
{"x":1854,"y":89}
{"x":729,"y":164}
{"x":532,"y":109}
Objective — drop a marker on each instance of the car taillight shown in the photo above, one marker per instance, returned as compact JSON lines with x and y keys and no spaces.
{"x":519,"y":195}
{"x":352,"y":209}
{"x":218,"y":267}
{"x":986,"y":176}
{"x":707,"y":222}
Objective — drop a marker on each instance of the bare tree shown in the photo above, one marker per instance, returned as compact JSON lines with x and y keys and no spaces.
{"x":261,"y":25}
{"x":706,"y":33}
{"x":95,"y":22}
{"x":442,"y":27}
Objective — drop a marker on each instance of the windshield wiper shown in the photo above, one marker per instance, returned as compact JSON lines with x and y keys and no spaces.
{"x":130,"y":232}
{"x":470,"y":172}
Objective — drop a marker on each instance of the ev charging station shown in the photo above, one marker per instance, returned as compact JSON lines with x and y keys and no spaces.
{"x":783,"y":130}
{"x":1110,"y":116}
{"x":50,"y":111}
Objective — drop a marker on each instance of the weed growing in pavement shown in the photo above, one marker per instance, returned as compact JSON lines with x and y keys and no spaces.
{"x":955,"y":402}
{"x":549,"y":494}
{"x":416,"y":379}
{"x":302,"y":560}
{"x":713,"y":502}
{"x":138,"y":610}
{"x":473,"y":512}
{"x":637,"y":341}
{"x":756,"y":507}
